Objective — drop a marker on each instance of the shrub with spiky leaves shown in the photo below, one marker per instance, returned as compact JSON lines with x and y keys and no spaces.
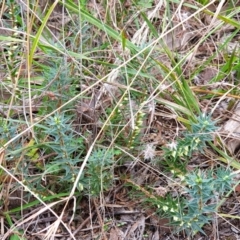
{"x":178,"y":154}
{"x":68,"y":148}
{"x":99,"y":173}
{"x":201,"y":202}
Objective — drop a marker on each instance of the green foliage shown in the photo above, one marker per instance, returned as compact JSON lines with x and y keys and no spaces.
{"x":196,"y":206}
{"x":133,"y":139}
{"x":144,"y":3}
{"x":68,"y":148}
{"x":70,"y":58}
{"x":13,"y":49}
{"x":203,"y":190}
{"x":8,"y":130}
{"x":99,"y":174}
{"x":177,"y":154}
{"x":203,"y":2}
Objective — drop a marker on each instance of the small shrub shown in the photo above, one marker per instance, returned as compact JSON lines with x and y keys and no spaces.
{"x":202,"y":192}
{"x":99,"y":173}
{"x":195,"y":206}
{"x":178,"y":154}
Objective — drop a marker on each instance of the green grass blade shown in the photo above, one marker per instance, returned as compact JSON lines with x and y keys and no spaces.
{"x":225,"y":158}
{"x":36,"y":202}
{"x":11,"y":39}
{"x":99,"y":24}
{"x":150,"y":25}
{"x":39,"y":32}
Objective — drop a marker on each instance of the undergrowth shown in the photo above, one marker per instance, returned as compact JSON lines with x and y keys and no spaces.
{"x":93,"y":91}
{"x":200,"y":191}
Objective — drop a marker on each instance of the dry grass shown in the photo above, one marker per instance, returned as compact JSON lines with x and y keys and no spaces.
{"x":80,"y":81}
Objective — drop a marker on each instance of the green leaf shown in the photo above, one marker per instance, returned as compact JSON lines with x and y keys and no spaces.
{"x":150,"y":25}
{"x":15,"y":237}
{"x":124,"y":38}
{"x":11,"y":39}
{"x":99,"y":24}
{"x":40,"y":30}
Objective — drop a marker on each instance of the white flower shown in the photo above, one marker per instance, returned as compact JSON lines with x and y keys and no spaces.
{"x":151,"y":106}
{"x":185,"y":15}
{"x":165,"y":208}
{"x":175,"y":218}
{"x":172,"y":210}
{"x":149,"y":152}
{"x":172,"y":145}
{"x":163,"y":87}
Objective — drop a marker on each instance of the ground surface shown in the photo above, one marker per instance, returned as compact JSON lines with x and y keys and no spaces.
{"x":89,"y":62}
